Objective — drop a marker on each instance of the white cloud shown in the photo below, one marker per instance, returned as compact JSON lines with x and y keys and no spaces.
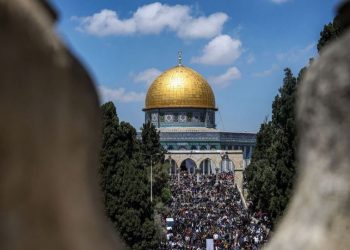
{"x":203,"y":27}
{"x":104,"y":23}
{"x":267,"y":72}
{"x":221,"y":50}
{"x":225,"y":79}
{"x":120,"y":95}
{"x":280,"y":1}
{"x":147,"y":76}
{"x":294,"y":55}
{"x":153,"y":19}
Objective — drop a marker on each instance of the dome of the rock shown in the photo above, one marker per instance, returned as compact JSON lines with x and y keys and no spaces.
{"x":180,"y":87}
{"x":180,"y":104}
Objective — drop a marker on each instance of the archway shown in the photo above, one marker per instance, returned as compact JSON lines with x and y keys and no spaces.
{"x":206,"y":167}
{"x":188,"y":165}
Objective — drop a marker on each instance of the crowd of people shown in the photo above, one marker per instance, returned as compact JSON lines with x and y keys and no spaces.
{"x":210,"y":207}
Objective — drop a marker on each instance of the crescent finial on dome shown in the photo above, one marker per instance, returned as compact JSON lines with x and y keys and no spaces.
{"x":179,"y":58}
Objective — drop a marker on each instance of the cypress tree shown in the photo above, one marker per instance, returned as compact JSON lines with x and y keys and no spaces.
{"x":271,"y":173}
{"x":151,"y":147}
{"x":270,"y":176}
{"x":330,"y":32}
{"x":151,"y":143}
{"x":125,"y":181}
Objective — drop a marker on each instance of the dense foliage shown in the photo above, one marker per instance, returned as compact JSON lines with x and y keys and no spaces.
{"x":125,"y":179}
{"x":330,"y":32}
{"x":271,"y":174}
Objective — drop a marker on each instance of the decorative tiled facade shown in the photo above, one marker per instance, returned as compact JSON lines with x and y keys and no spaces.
{"x":215,"y":140}
{"x":185,"y":117}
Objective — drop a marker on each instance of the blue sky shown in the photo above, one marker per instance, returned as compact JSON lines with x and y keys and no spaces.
{"x":240,"y":46}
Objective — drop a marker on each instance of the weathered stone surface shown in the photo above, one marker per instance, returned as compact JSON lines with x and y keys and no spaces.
{"x":319,"y":214}
{"x":49,"y":139}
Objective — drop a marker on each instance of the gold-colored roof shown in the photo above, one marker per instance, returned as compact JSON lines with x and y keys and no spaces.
{"x":180,"y":87}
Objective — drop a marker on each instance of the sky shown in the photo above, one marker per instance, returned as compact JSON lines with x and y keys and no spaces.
{"x":240,"y":46}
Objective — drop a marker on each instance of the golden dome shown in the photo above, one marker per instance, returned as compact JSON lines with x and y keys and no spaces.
{"x":180,"y":87}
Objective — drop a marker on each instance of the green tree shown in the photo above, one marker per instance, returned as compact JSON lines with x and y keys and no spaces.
{"x":271,"y":173}
{"x":255,"y":173}
{"x":151,"y":148}
{"x":330,"y":32}
{"x":109,"y":150}
{"x":125,"y":181}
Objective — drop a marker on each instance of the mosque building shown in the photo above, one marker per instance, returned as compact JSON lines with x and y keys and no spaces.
{"x":181,"y":105}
